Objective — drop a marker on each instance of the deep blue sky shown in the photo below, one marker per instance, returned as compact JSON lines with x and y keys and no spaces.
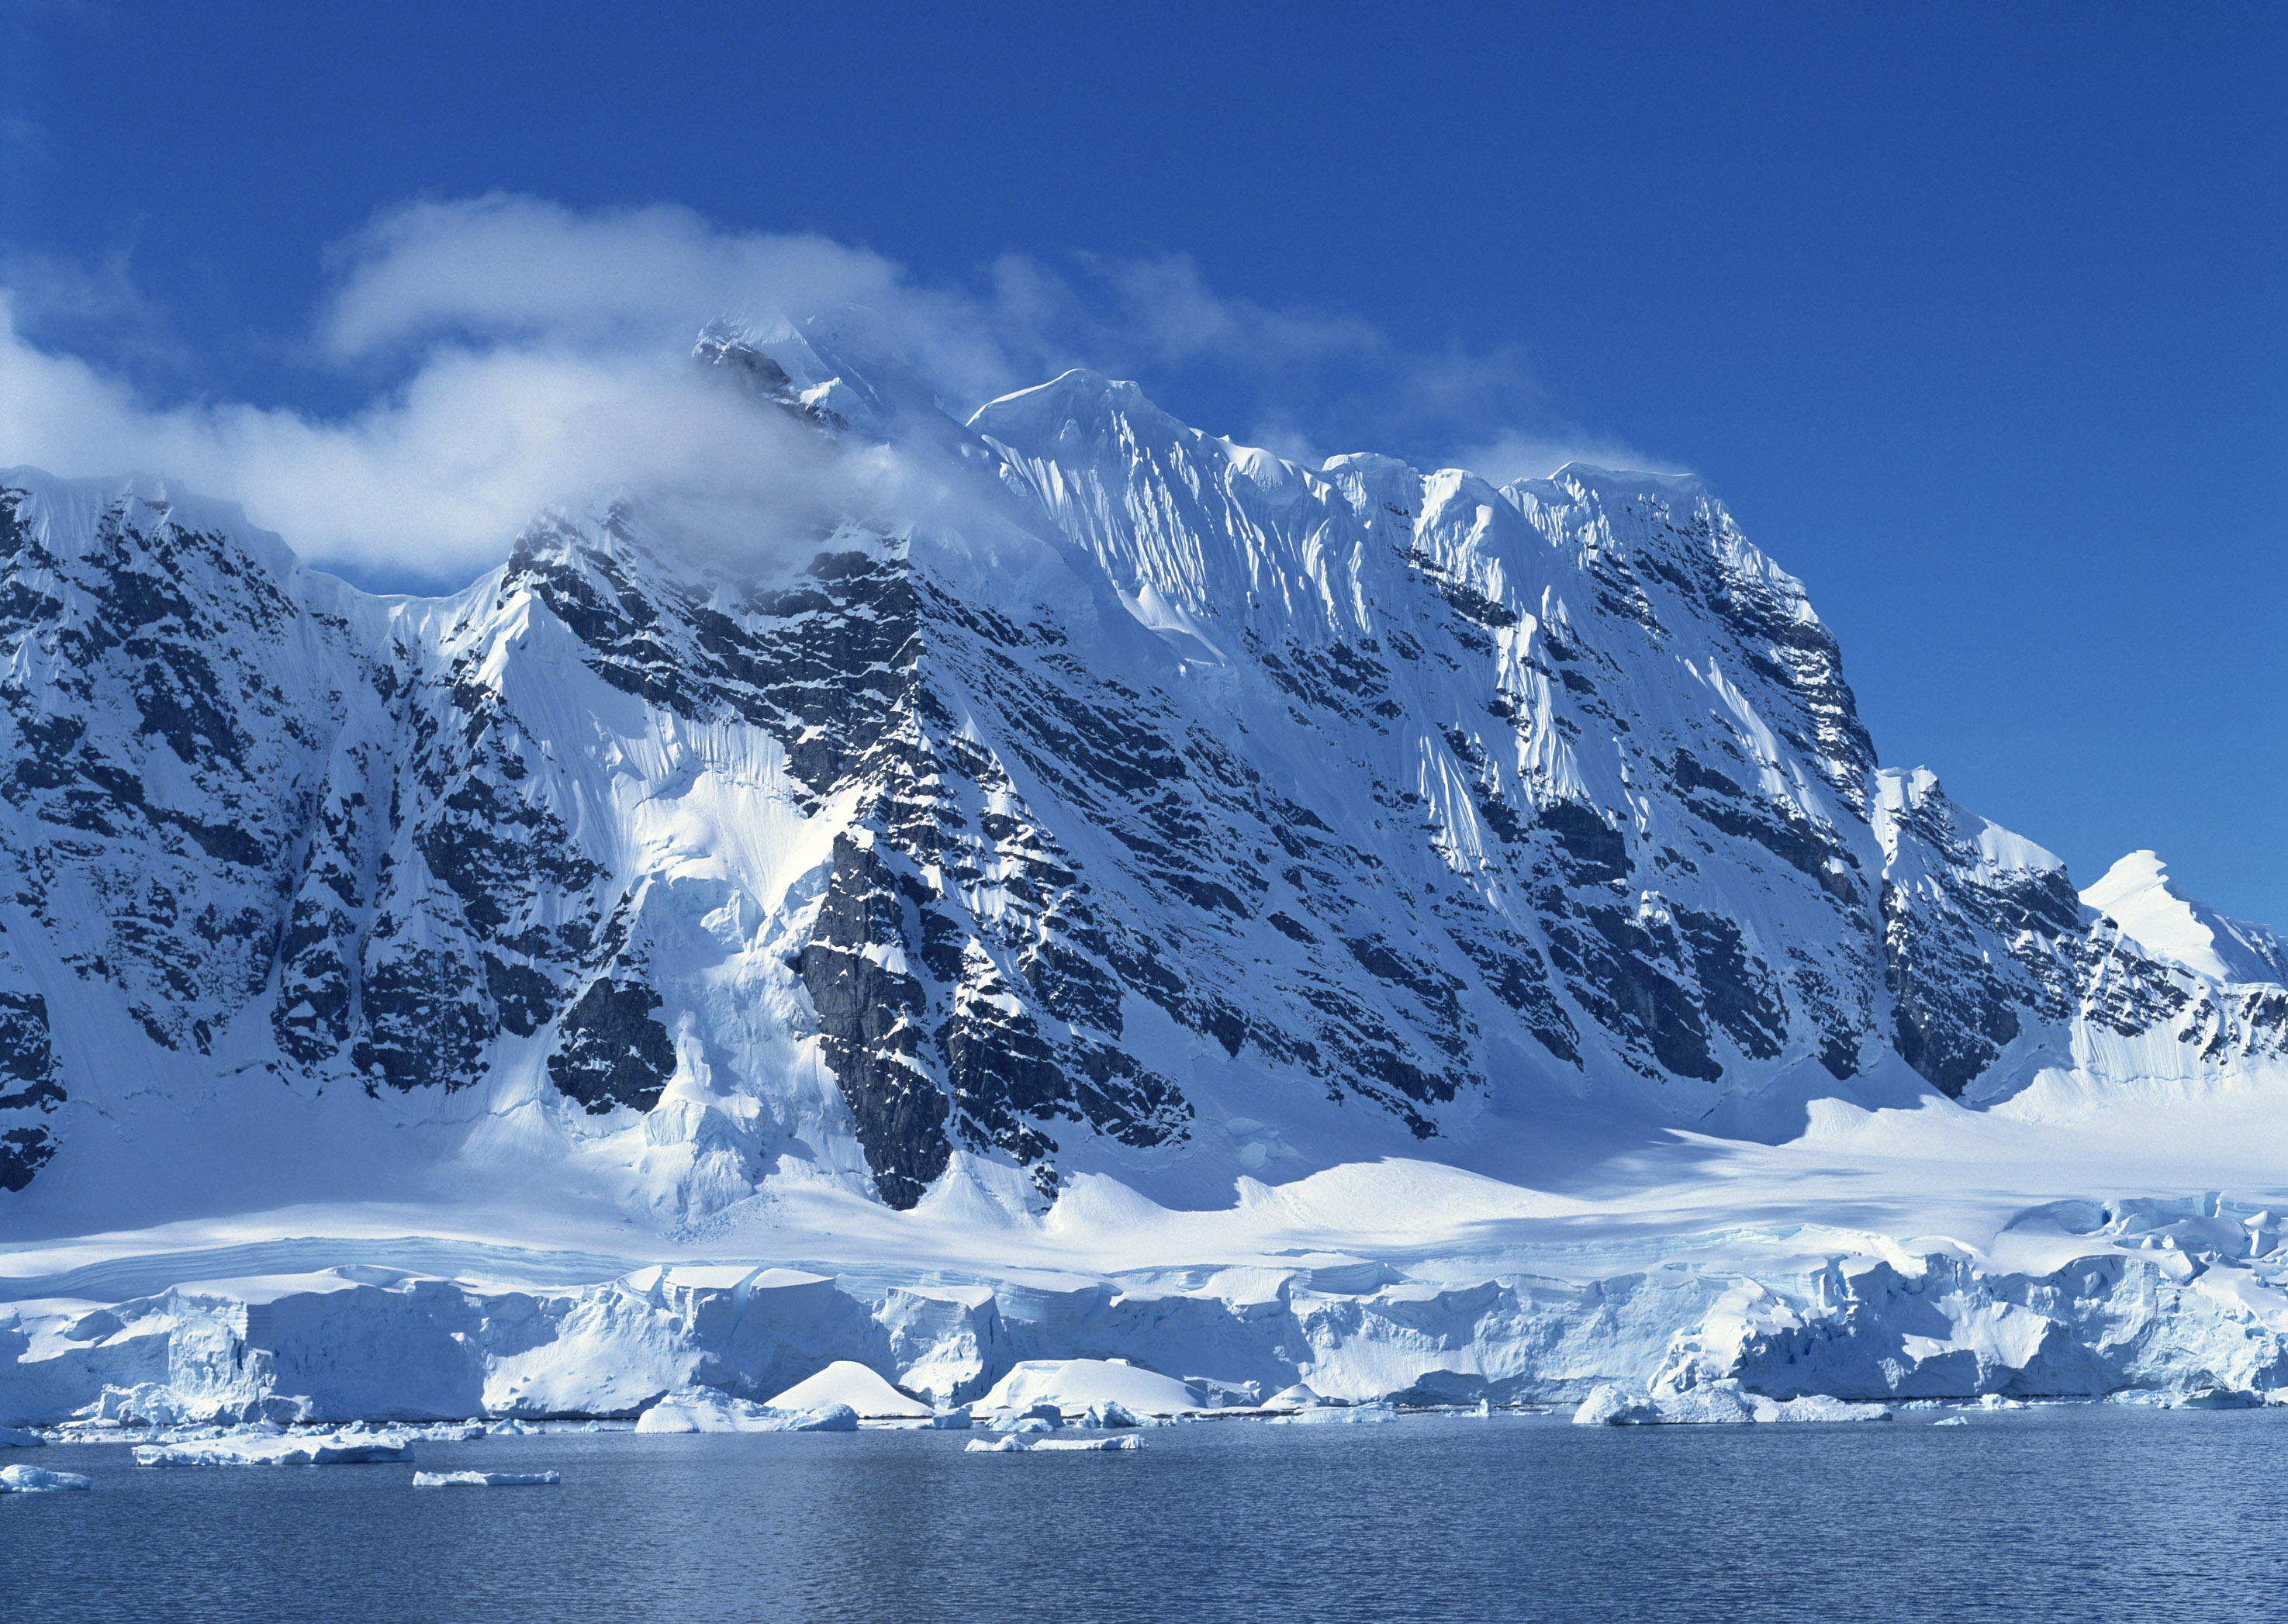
{"x":1974,"y":316}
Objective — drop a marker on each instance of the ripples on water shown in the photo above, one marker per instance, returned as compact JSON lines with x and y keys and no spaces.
{"x":2052,"y":1515}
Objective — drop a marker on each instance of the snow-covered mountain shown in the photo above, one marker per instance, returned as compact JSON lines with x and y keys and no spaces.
{"x":1134,"y":804}
{"x":1166,"y":786}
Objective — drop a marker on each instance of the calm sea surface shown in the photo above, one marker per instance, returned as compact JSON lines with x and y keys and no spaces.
{"x":2046,"y":1515}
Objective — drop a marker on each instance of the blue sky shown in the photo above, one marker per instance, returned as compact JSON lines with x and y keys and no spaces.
{"x":1974,"y":315}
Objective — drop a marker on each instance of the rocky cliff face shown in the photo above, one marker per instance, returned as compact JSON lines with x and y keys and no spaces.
{"x":1157,"y":805}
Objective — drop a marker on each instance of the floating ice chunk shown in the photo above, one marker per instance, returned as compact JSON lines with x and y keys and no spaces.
{"x":1950,"y":1421}
{"x":32,"y":1480}
{"x":1008,"y":1443}
{"x":508,"y":1429}
{"x":1109,"y":1414}
{"x":1338,"y":1414}
{"x":1075,"y":1384}
{"x":1124,"y":1441}
{"x":1609,"y":1404}
{"x":339,"y":1449}
{"x":956,"y":1419}
{"x":704,"y":1409}
{"x":15,"y":1437}
{"x":2222,"y":1399}
{"x":484,"y":1481}
{"x":846,"y":1382}
{"x":1299,"y":1397}
{"x":1995,"y":1401}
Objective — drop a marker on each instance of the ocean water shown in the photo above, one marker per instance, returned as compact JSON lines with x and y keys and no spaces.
{"x":2052,"y":1515}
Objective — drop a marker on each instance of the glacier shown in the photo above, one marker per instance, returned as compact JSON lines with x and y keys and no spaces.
{"x":1105,"y":894}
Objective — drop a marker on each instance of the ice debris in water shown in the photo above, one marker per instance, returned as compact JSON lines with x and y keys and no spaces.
{"x":484,"y":1481}
{"x":338,"y":1449}
{"x":2220,"y":1398}
{"x":1614,"y":1404}
{"x":14,"y":1438}
{"x":1952,"y":1421}
{"x":703,"y":1409}
{"x":33,"y":1480}
{"x":1338,"y":1414}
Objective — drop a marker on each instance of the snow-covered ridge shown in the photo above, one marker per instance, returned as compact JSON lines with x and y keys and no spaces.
{"x":1141,"y":813}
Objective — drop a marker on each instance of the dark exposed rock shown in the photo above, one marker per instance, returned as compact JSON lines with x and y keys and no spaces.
{"x":610,"y":1051}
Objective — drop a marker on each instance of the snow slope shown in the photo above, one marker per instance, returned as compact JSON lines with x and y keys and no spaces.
{"x":1095,"y":864}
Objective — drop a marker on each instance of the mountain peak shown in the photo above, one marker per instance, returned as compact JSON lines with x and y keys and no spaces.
{"x":2138,"y":894}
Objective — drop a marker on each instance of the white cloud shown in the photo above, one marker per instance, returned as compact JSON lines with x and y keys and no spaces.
{"x":523,"y":352}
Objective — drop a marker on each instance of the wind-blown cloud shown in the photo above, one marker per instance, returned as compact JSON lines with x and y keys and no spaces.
{"x":520,"y":351}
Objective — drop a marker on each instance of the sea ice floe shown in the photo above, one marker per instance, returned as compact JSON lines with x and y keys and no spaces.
{"x":14,"y":1438}
{"x":484,"y":1481}
{"x":32,"y":1480}
{"x":336,"y":1449}
{"x":1010,"y":1443}
{"x":1950,"y":1421}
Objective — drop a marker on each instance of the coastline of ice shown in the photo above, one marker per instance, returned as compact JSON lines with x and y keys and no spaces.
{"x":2136,"y":1300}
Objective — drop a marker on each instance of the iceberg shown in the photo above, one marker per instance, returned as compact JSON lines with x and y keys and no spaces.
{"x":1076,"y":1384}
{"x":1713,"y":1402}
{"x":1950,"y":1421}
{"x":1338,"y":1414}
{"x":700,"y":1409}
{"x":1611,"y":1403}
{"x":32,"y":1480}
{"x":848,"y":1383}
{"x":484,"y":1481}
{"x":1010,"y":1443}
{"x":16,"y":1438}
{"x":2220,"y":1398}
